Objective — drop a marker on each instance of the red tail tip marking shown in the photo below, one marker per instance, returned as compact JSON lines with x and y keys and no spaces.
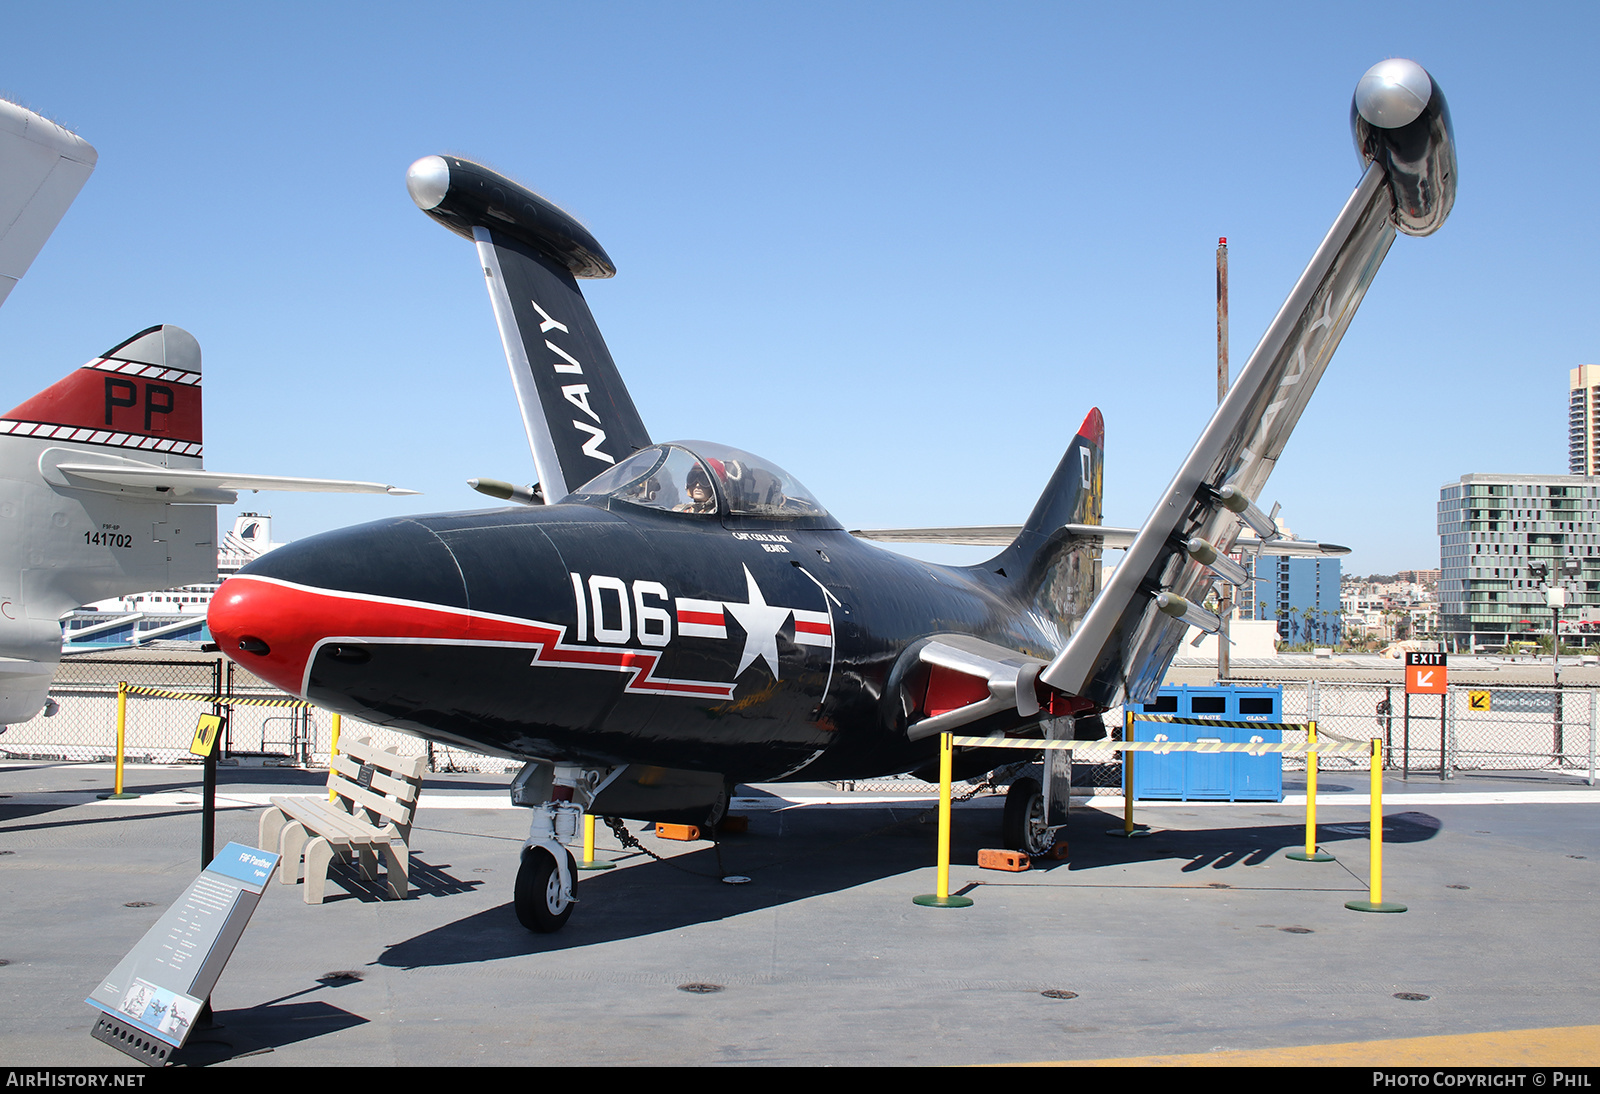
{"x":1093,"y":427}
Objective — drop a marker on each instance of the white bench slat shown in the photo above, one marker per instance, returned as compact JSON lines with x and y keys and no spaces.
{"x":406,"y":767}
{"x":326,"y":818}
{"x":382,"y":781}
{"x":399,"y":812}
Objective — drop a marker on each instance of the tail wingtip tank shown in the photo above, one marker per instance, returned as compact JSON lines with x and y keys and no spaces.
{"x":464,"y":196}
{"x":1398,"y":116}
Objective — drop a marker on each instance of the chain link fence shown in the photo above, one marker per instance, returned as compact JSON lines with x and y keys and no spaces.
{"x":263,"y":726}
{"x":1469,"y":728}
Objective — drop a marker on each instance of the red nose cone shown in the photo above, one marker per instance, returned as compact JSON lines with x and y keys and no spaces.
{"x":267,"y":627}
{"x":275,"y":627}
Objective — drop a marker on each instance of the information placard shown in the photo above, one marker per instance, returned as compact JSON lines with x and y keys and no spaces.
{"x":151,"y":999}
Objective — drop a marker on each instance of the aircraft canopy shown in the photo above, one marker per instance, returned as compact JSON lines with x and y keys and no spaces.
{"x":701,"y":477}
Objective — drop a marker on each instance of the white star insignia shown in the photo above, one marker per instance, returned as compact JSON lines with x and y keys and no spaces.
{"x":761,"y":622}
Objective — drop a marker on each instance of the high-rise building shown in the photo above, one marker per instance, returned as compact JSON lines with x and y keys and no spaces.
{"x":1583,"y":421}
{"x":1300,"y":594}
{"x":1491,"y":527}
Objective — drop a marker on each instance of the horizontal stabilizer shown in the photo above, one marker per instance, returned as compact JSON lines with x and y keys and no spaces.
{"x":178,"y":484}
{"x":1113,"y":539}
{"x":42,"y":168}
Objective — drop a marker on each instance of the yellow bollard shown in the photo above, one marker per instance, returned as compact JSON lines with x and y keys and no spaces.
{"x":1375,"y":902}
{"x":588,"y":862}
{"x":942,"y":898}
{"x":1129,"y":830}
{"x":333,"y":750}
{"x":1311,"y":854}
{"x":122,"y":741}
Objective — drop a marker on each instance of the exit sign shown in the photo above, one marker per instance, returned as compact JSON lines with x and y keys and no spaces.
{"x":1425,"y":673}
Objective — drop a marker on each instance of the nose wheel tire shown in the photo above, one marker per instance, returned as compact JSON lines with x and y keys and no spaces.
{"x":541,"y":904}
{"x":1024,"y":825}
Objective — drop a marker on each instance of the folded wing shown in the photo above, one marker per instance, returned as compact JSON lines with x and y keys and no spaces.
{"x":1125,"y":643}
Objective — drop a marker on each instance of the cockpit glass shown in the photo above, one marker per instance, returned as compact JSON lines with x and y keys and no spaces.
{"x":660,"y":477}
{"x":688,"y":476}
{"x":756,"y":487}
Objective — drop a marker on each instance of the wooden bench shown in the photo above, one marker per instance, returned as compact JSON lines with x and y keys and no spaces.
{"x":375,"y":797}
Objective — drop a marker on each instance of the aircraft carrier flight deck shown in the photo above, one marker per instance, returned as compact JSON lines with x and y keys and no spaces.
{"x":1202,"y":940}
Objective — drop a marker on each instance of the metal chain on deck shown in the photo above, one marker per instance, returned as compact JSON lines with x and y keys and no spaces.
{"x":629,"y":841}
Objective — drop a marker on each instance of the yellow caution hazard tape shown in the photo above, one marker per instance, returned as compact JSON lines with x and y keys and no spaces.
{"x":1177,"y":720}
{"x":225,"y":700}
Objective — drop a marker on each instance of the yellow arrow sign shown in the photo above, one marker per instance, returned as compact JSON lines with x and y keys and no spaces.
{"x":1477,"y":700}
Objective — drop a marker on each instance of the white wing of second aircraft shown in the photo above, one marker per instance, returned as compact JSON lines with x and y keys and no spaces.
{"x":179,"y":482}
{"x":42,"y":168}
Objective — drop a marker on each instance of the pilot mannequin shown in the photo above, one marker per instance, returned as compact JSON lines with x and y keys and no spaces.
{"x":697,"y":487}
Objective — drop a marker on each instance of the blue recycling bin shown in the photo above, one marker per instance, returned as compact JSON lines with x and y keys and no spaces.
{"x":1219,"y":776}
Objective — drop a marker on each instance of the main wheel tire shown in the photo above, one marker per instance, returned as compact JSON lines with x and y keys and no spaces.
{"x":541,"y":904}
{"x":1024,"y":825}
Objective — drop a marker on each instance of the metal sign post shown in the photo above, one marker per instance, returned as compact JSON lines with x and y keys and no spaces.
{"x":206,"y":736}
{"x":1426,"y":674}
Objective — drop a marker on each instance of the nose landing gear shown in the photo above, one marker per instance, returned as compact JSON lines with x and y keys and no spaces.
{"x":546,"y":880}
{"x":543,"y":897}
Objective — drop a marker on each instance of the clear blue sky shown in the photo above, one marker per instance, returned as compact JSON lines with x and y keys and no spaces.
{"x":899,"y":248}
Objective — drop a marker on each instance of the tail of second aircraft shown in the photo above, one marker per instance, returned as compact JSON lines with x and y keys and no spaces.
{"x":1057,"y":567}
{"x":68,"y":542}
{"x":103,"y":493}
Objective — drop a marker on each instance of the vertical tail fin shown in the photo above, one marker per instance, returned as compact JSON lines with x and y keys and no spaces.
{"x":62,"y":543}
{"x":579,"y":416}
{"x":1058,"y":573}
{"x":142,"y":394}
{"x":1076,"y":491}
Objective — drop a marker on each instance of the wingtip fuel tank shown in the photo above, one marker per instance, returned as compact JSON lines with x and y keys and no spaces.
{"x":463,"y":195}
{"x":1399,"y":117}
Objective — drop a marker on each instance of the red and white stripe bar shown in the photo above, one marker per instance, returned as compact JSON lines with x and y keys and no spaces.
{"x":701,"y":618}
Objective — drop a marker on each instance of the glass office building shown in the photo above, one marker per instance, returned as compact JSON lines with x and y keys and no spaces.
{"x":1491,"y":528}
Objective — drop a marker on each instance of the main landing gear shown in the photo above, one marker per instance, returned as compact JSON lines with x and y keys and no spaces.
{"x":1025,"y":824}
{"x":1036,"y":809}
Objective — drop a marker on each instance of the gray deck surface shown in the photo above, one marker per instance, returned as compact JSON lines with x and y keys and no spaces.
{"x":1175,"y":943}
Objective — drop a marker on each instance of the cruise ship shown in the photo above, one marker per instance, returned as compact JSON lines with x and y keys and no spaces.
{"x":166,"y":616}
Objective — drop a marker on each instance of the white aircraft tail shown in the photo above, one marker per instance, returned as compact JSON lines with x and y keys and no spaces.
{"x":103,"y":493}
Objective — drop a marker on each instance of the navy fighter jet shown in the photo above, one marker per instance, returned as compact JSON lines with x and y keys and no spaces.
{"x":655,"y":622}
